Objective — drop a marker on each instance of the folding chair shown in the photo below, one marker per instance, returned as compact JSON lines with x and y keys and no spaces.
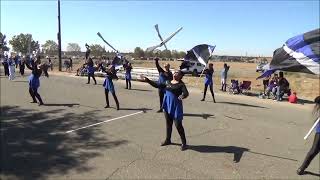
{"x":245,"y":87}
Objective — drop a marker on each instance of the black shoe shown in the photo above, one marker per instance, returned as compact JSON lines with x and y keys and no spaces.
{"x":202,"y":99}
{"x":118,"y":108}
{"x":126,"y":88}
{"x":165,"y":143}
{"x":88,"y":83}
{"x":300,"y":171}
{"x":107,"y":106}
{"x":40,"y":104}
{"x":33,"y":102}
{"x":214,"y":101}
{"x":159,"y":111}
{"x":183,"y":147}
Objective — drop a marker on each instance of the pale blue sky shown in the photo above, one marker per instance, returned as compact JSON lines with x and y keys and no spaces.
{"x":235,"y":27}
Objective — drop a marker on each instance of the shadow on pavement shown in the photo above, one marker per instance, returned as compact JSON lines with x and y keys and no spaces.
{"x":68,"y":105}
{"x":136,"y":109}
{"x":236,"y":151}
{"x":311,"y":173}
{"x":30,"y":148}
{"x":133,"y":89}
{"x":204,"y":116}
{"x":242,"y":104}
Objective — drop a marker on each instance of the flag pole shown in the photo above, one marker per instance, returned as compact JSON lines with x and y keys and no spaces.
{"x":314,"y":125}
{"x":201,"y":75}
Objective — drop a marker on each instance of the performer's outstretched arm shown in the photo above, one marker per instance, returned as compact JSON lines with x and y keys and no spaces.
{"x":154,"y":84}
{"x":29,"y":67}
{"x":158,"y":66}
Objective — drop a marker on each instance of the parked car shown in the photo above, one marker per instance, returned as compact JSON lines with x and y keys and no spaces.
{"x":260,"y":67}
{"x":191,"y":67}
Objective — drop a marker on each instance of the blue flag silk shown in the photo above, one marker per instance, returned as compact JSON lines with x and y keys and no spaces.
{"x":200,"y":53}
{"x":299,"y":54}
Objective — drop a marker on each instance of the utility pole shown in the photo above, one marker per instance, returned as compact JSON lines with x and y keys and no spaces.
{"x":59,"y":37}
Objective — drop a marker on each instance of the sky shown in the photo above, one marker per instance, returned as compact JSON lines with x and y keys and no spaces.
{"x":253,"y":28}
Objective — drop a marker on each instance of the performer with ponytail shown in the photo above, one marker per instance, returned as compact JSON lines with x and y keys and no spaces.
{"x":34,"y":79}
{"x":109,"y":87}
{"x":208,"y":82}
{"x":175,"y":92}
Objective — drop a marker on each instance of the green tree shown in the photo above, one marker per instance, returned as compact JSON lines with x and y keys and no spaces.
{"x":3,"y":43}
{"x":175,"y":54}
{"x":149,"y":54}
{"x":50,"y":47}
{"x":24,"y":43}
{"x":97,"y":50}
{"x":166,"y":53}
{"x":138,"y":52}
{"x":182,"y":54}
{"x":74,"y":49}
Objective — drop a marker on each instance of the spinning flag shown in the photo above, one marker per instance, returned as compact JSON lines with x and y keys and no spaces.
{"x":299,"y":54}
{"x":200,"y":53}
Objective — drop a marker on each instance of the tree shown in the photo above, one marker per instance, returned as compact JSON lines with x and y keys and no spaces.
{"x":97,"y":50}
{"x":3,"y":43}
{"x":50,"y":47}
{"x":175,"y":54}
{"x":182,"y":54}
{"x":166,"y":53}
{"x":24,"y":43}
{"x":138,"y":52}
{"x":149,"y":54}
{"x":73,"y":47}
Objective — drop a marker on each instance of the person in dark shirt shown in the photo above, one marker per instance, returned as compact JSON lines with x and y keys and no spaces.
{"x":90,"y":70}
{"x":6,"y":66}
{"x":283,"y":86}
{"x":128,"y":68}
{"x":208,"y":82}
{"x":70,"y":63}
{"x":175,"y":91}
{"x":164,"y":75}
{"x":88,"y":51}
{"x":22,"y":66}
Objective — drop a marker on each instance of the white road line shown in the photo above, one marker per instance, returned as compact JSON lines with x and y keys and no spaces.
{"x":105,"y":121}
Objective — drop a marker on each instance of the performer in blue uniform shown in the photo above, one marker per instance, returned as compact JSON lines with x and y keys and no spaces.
{"x":90,"y":70}
{"x":34,"y":80}
{"x":172,"y":105}
{"x":109,"y":87}
{"x":208,"y":82}
{"x":5,"y":65}
{"x":164,"y":75}
{"x":315,"y":149}
{"x":128,"y":68}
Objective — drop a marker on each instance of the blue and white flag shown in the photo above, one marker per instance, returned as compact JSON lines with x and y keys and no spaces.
{"x":201,"y":53}
{"x":299,"y":54}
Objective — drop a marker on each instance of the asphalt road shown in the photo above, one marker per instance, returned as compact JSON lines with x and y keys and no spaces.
{"x":238,"y":137}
